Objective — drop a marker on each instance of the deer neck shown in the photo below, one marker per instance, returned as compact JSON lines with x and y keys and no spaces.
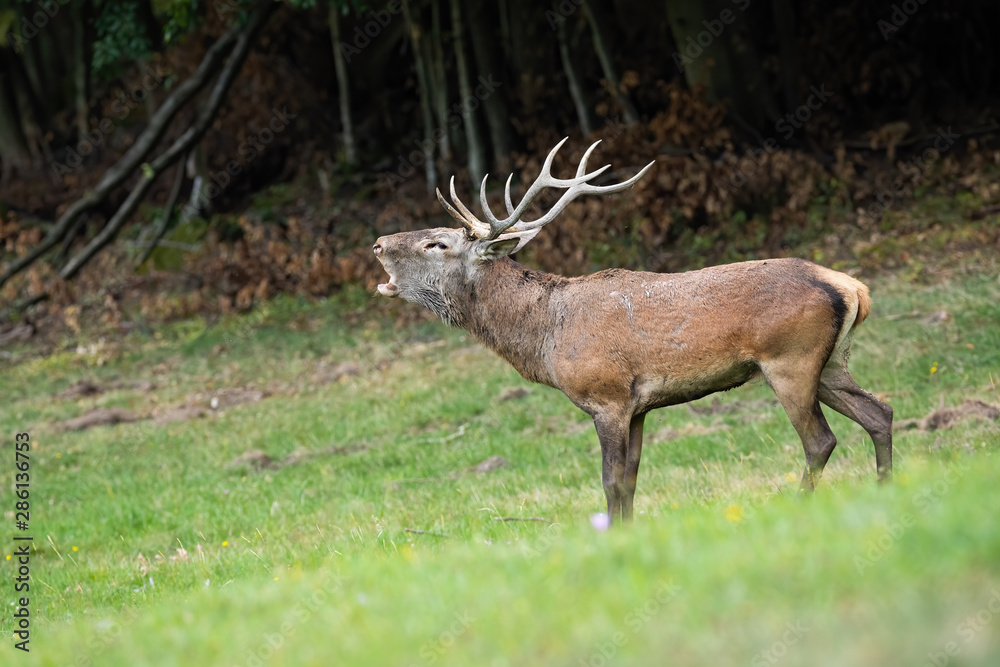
{"x":510,"y":310}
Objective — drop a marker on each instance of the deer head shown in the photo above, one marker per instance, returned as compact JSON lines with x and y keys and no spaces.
{"x":430,"y":267}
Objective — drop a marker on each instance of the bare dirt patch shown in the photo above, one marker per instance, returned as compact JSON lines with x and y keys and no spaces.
{"x":512,"y":394}
{"x":691,"y":428}
{"x":717,"y":407}
{"x":181,"y":413}
{"x":945,"y":418}
{"x":255,"y":459}
{"x":82,"y":389}
{"x":258,"y":460}
{"x":85,"y":388}
{"x":99,"y":417}
{"x":489,"y":465}
{"x":326,"y":374}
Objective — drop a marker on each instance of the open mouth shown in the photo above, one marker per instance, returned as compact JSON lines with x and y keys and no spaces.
{"x":389,"y":289}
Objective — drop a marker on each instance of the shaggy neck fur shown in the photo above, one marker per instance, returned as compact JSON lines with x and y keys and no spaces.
{"x":510,"y":309}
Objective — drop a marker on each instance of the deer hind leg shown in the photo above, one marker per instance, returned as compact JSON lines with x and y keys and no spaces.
{"x":796,"y":387}
{"x":838,"y":390}
{"x":613,"y":433}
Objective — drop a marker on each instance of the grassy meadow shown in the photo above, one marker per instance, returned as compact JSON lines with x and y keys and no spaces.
{"x":327,"y":510}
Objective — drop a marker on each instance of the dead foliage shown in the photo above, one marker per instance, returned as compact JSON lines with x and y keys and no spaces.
{"x":17,"y":334}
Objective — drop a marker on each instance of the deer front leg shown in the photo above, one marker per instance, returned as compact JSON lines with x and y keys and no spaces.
{"x":613,"y":433}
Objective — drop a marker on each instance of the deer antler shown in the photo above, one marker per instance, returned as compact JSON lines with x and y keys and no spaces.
{"x":576,"y":186}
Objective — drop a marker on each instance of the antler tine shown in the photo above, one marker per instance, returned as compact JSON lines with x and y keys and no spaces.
{"x":582,"y":169}
{"x":583,"y":188}
{"x":463,"y":214}
{"x":469,"y":215}
{"x":451,"y":210}
{"x":506,"y":196}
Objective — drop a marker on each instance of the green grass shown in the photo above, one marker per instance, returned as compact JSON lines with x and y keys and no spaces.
{"x":320,"y":559}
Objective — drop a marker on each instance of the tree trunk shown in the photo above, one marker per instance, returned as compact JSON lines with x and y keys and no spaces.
{"x":418,"y":43}
{"x":343,"y":86}
{"x":80,"y":69}
{"x":13,"y":146}
{"x":439,"y":83}
{"x":32,"y":69}
{"x":576,"y":89}
{"x":505,"y":43}
{"x":784,"y":28}
{"x":728,"y":67}
{"x":477,"y":162}
{"x":151,"y":27}
{"x":601,"y":46}
{"x":491,"y":72}
{"x":28,"y":110}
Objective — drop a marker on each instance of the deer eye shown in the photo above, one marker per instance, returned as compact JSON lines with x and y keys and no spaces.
{"x":435,"y":244}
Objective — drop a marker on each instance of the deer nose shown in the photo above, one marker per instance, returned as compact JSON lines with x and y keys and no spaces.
{"x":377,"y":248}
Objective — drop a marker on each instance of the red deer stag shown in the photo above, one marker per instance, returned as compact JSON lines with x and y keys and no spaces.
{"x":621,"y":343}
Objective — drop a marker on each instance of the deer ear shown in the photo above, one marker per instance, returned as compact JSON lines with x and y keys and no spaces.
{"x":497,"y":248}
{"x":505,"y":246}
